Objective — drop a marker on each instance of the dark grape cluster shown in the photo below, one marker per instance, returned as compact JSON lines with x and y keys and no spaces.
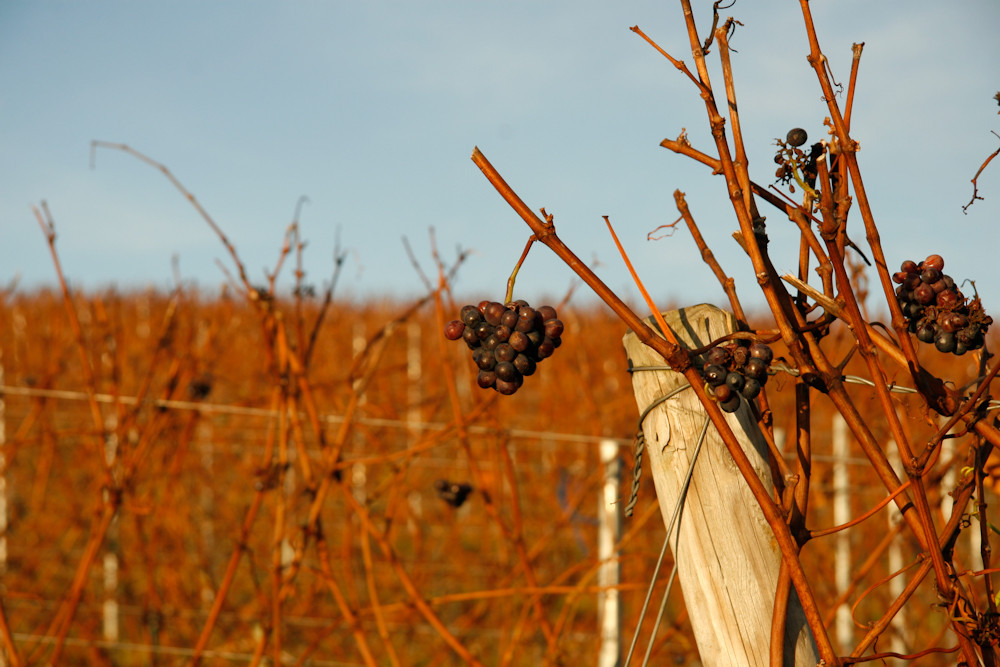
{"x":936,"y":310}
{"x":736,"y":369}
{"x":792,"y":156}
{"x":453,"y":493}
{"x":507,"y":341}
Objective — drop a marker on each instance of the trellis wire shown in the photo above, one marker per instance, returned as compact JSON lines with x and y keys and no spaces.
{"x":222,"y":408}
{"x":674,"y":519}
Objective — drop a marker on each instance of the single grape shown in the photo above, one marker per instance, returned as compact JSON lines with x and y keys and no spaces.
{"x":911,"y":281}
{"x":909,"y":266}
{"x":486,"y":379}
{"x":482,"y":306}
{"x":930,"y":275}
{"x":504,"y":352}
{"x":751,"y":389}
{"x":732,"y":405}
{"x":926,"y":334}
{"x":494,"y":311}
{"x":491,"y":342}
{"x":934,"y":262}
{"x":735,"y":380}
{"x":519,"y":341}
{"x":740,"y":356}
{"x":718,"y":356}
{"x":505,"y":371}
{"x":948,"y":299}
{"x":923,"y":294}
{"x":762,"y":351}
{"x":756,"y":368}
{"x":484,"y":359}
{"x":945,"y":341}
{"x":525,"y":319}
{"x":546,"y":348}
{"x":953,"y":321}
{"x":723,"y":392}
{"x":556,"y":342}
{"x":553,"y":328}
{"x":483,"y":330}
{"x":502,"y":333}
{"x":796,"y":137}
{"x":454,"y":330}
{"x":535,"y":337}
{"x":471,"y":316}
{"x":509,"y":318}
{"x":899,"y":277}
{"x":547,"y":313}
{"x":506,"y":388}
{"x":715,"y":374}
{"x":470,"y":337}
{"x":960,"y":348}
{"x":524,"y":364}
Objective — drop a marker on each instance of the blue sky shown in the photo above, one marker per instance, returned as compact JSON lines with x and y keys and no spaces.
{"x":371,"y":110}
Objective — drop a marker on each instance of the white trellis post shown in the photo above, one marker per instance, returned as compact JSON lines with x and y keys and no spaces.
{"x":609,"y":531}
{"x":898,"y":643}
{"x":842,"y":514}
{"x":359,"y":472}
{"x":109,"y":607}
{"x":728,"y":560}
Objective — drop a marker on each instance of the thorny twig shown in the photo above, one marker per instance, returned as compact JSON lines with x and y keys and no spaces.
{"x":975,"y":179}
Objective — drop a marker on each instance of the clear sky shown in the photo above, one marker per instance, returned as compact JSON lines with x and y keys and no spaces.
{"x":372,"y":109}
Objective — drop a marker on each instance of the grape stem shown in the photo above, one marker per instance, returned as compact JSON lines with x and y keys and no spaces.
{"x":513,"y":276}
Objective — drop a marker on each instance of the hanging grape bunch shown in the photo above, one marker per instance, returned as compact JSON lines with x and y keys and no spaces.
{"x":507,"y":341}
{"x":794,"y":163}
{"x":735,"y":369}
{"x":936,"y":310}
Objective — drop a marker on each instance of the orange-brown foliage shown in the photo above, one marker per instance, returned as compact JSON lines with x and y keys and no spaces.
{"x":201,"y":459}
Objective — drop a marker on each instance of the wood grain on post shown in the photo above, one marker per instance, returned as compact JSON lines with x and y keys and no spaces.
{"x":728,"y":560}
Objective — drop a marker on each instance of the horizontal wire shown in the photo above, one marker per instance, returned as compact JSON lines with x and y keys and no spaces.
{"x":222,"y":408}
{"x":169,"y":650}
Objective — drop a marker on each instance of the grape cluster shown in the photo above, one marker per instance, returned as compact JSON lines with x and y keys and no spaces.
{"x":936,"y":310}
{"x":507,"y":341}
{"x":453,"y":493}
{"x":736,"y":368}
{"x":791,"y":157}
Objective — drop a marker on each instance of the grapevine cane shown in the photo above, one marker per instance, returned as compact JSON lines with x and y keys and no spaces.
{"x":668,"y":348}
{"x":513,"y":276}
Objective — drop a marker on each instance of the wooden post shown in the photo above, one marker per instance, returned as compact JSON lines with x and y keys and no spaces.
{"x":898,"y":643}
{"x":842,"y":514}
{"x":609,"y":532}
{"x":728,"y":560}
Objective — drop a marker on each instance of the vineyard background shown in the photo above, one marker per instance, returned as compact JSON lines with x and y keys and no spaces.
{"x":511,"y":573}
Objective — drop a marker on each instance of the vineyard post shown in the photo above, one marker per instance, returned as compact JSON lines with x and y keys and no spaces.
{"x":109,"y":562}
{"x":898,"y":643}
{"x":609,"y":575}
{"x":728,"y":561}
{"x":841,"y":515}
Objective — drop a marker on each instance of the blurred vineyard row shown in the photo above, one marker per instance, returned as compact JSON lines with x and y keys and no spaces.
{"x":211,"y":482}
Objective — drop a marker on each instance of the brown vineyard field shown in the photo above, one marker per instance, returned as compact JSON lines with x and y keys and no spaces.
{"x":176,"y":491}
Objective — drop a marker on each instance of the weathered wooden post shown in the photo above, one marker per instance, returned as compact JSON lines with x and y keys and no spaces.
{"x":728,"y":560}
